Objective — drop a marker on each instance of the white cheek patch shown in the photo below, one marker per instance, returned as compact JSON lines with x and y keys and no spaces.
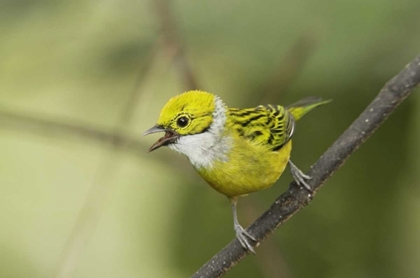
{"x":204,"y":148}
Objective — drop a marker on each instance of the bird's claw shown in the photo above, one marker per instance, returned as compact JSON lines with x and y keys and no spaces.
{"x":244,"y":237}
{"x":299,"y":177}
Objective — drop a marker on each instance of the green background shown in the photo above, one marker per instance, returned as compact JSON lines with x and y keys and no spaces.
{"x":149,"y":214}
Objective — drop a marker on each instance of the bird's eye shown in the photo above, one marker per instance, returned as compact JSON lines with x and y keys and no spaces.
{"x":182,"y":121}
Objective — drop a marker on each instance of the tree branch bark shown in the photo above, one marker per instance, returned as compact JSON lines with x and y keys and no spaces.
{"x":292,"y":201}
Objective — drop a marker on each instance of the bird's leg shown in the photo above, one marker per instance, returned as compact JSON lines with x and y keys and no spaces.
{"x":241,"y":234}
{"x":299,"y":177}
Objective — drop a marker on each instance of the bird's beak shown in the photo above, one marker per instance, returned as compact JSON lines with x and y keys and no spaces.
{"x":169,"y":137}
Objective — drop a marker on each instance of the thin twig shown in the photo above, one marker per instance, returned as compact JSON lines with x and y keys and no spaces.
{"x":292,"y":201}
{"x":43,"y":124}
{"x":94,"y":204}
{"x":288,"y":69}
{"x":173,"y":43}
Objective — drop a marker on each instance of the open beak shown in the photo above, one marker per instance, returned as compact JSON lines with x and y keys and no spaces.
{"x":169,"y":137}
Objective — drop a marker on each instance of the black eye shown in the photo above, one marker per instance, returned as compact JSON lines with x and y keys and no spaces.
{"x":182,"y":121}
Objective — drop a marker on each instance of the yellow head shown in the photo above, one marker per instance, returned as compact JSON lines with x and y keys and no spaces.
{"x":187,"y":114}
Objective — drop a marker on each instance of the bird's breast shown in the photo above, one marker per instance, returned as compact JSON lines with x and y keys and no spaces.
{"x":247,"y":168}
{"x":204,"y":149}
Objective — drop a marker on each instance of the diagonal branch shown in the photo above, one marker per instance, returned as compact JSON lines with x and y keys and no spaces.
{"x":290,"y":202}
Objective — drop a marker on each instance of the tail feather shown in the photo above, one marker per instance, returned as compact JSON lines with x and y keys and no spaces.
{"x":303,"y":106}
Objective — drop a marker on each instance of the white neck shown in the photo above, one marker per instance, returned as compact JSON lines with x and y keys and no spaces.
{"x":204,"y":148}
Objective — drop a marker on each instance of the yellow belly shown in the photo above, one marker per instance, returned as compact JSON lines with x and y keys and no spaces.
{"x":249,"y":168}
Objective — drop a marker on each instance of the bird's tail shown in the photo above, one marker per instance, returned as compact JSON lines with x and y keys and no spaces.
{"x":303,"y":106}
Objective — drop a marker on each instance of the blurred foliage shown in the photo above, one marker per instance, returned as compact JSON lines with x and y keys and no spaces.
{"x":81,"y":61}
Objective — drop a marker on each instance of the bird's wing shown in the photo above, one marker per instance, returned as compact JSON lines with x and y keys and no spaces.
{"x":266,"y":125}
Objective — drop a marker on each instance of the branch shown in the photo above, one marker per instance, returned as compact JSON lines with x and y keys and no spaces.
{"x":292,"y":201}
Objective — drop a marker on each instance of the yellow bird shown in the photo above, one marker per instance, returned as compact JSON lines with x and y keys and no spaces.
{"x":236,"y":151}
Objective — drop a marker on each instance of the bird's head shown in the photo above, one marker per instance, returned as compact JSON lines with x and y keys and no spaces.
{"x":184,"y":115}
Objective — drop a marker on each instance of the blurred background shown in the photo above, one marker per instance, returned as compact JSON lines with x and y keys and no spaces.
{"x":81,"y":80}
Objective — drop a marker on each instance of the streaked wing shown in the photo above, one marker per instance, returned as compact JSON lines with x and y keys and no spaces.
{"x":266,"y":125}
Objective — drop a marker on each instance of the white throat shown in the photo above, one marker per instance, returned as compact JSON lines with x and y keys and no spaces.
{"x":205,"y":148}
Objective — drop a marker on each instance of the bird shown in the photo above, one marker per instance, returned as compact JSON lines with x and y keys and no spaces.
{"x":236,"y":151}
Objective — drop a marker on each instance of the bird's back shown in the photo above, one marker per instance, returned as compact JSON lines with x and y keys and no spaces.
{"x":261,"y":146}
{"x":267,"y":125}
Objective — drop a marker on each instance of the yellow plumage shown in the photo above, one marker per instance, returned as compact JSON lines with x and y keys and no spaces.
{"x":236,"y":151}
{"x":254,"y":168}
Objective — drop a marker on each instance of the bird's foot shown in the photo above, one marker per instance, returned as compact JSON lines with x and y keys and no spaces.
{"x":244,"y":238}
{"x":299,"y":177}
